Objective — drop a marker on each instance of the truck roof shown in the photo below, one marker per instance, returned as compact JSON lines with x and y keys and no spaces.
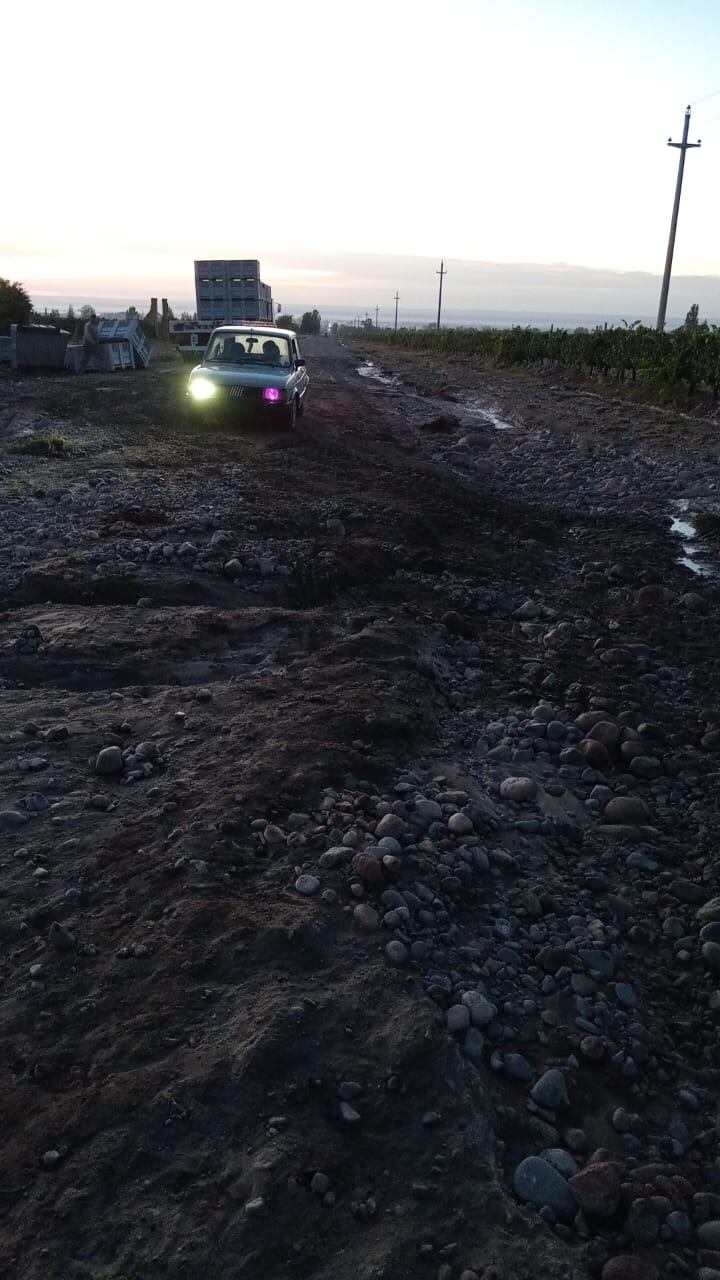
{"x":249,"y":327}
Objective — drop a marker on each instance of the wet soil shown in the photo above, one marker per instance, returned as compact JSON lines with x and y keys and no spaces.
{"x":169,"y":1082}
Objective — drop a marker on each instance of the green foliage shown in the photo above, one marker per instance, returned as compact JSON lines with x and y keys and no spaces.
{"x":55,"y":445}
{"x":285,"y":322}
{"x":684,"y":361}
{"x":692,"y":319}
{"x":310,"y":322}
{"x":15,"y":304}
{"x":86,"y":311}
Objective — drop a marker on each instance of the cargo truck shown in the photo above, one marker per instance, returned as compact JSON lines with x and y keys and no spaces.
{"x":227,"y":291}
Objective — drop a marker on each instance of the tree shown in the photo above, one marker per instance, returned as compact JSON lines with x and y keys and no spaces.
{"x":86,"y":312}
{"x":70,"y":317}
{"x":15,"y":304}
{"x":310,"y":322}
{"x":285,"y":322}
{"x":132,"y":313}
{"x":692,"y":319}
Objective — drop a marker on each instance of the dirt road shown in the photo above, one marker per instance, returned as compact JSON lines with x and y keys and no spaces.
{"x":359,"y":833}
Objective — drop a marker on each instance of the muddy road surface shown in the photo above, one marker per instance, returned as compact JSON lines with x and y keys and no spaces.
{"x":359,"y":832}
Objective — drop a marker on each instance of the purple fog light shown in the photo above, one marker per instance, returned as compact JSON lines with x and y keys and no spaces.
{"x":271,"y":393}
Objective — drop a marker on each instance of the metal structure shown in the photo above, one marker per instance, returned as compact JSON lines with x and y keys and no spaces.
{"x":682,"y":148}
{"x":122,"y":334}
{"x":230,"y":291}
{"x":34,"y":346}
{"x":442,"y":272}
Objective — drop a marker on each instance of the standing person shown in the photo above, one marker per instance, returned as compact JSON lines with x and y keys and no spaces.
{"x":91,"y":341}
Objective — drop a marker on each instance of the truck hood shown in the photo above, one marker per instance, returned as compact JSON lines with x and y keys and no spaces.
{"x":234,"y":376}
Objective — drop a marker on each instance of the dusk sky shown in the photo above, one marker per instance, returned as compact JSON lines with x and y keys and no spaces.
{"x":324,"y":140}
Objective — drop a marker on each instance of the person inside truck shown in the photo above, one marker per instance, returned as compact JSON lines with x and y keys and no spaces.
{"x":271,"y":352}
{"x":232,"y":350}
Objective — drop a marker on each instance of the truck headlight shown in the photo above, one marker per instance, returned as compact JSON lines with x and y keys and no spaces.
{"x":272,"y":394}
{"x":202,"y":389}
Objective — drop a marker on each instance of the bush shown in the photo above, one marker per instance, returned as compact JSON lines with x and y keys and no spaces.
{"x":15,"y":304}
{"x":56,"y":445}
{"x":285,"y":322}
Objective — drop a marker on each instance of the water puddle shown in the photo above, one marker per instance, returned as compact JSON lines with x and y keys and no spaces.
{"x":369,"y":370}
{"x":476,"y":409}
{"x":470,"y":408}
{"x":682,"y":526}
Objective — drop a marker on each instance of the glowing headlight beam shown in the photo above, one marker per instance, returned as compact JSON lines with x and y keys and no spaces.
{"x":202,"y":389}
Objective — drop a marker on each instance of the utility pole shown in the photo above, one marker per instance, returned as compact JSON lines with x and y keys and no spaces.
{"x":376,"y":316}
{"x":682,"y":147}
{"x":397,"y":299}
{"x":442,"y":272}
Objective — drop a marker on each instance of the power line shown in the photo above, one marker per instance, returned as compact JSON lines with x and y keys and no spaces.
{"x":714,"y":94}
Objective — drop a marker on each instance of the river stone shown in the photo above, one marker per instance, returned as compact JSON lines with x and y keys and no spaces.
{"x":709,"y":1234}
{"x":536,"y":1182}
{"x":645,"y":767}
{"x":518,"y":790}
{"x":594,"y":753}
{"x":457,"y":1018}
{"x":427,"y":810}
{"x":710,"y":932}
{"x":627,"y":1267}
{"x":473,"y":1044}
{"x":561,"y":1160}
{"x":307,"y":885}
{"x":481,"y":1010}
{"x":550,"y":1090}
{"x":396,"y":952}
{"x":626,"y":811}
{"x":368,"y":868}
{"x":711,"y":956}
{"x":709,"y":911}
{"x":604,"y":731}
{"x":390,"y":825}
{"x":460,"y":825}
{"x":366,"y":917}
{"x":597,"y":1188}
{"x":642,"y":1222}
{"x":11,"y":818}
{"x":109,"y":761}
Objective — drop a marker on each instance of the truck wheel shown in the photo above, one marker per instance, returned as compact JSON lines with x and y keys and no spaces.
{"x":291,"y":415}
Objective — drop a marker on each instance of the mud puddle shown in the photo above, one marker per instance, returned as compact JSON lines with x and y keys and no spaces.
{"x":370,"y":370}
{"x":694,"y":556}
{"x":469,"y":410}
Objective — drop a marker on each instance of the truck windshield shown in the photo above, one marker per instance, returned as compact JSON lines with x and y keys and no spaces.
{"x":250,"y":349}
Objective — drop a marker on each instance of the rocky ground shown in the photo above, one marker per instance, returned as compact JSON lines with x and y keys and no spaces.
{"x":358,"y":847}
